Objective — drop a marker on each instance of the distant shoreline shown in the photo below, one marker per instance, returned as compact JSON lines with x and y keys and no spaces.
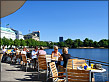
{"x":69,"y":48}
{"x":83,"y":48}
{"x":93,"y":48}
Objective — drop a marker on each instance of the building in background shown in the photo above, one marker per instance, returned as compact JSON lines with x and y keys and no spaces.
{"x":60,"y":39}
{"x":18,"y":34}
{"x":34,"y":35}
{"x":7,"y":33}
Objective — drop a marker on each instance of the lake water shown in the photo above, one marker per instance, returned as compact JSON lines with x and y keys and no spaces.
{"x":94,"y":54}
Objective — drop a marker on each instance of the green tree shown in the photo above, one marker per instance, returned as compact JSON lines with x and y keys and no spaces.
{"x":61,"y":44}
{"x":1,"y":42}
{"x":6,"y":42}
{"x":55,"y":43}
{"x":48,"y":44}
{"x":108,"y":43}
{"x":75,"y":45}
{"x":44,"y":44}
{"x":38,"y":43}
{"x":28,"y":42}
{"x":17,"y":42}
{"x":69,"y":43}
{"x":51,"y":45}
{"x":78,"y":43}
{"x":103,"y":43}
{"x":33,"y":42}
{"x":11,"y":42}
{"x":95,"y":44}
{"x":22,"y":42}
{"x":86,"y":42}
{"x":90,"y":43}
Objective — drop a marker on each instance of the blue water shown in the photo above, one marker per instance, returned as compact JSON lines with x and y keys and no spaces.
{"x":94,"y":54}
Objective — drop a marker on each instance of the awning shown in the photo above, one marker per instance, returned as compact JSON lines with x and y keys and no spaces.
{"x":9,"y":7}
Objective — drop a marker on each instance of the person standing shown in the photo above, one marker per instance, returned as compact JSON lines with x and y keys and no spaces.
{"x":24,"y":51}
{"x":34,"y":55}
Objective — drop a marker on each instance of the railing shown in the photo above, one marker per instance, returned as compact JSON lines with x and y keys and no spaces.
{"x":93,"y":61}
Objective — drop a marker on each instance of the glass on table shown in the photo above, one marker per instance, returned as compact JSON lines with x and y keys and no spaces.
{"x":85,"y":67}
{"x":92,"y":66}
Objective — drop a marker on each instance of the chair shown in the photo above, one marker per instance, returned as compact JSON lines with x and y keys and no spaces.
{"x":48,"y":58}
{"x":74,"y":75}
{"x":25,"y":61}
{"x":74,"y":63}
{"x":55,"y":73}
{"x":42,"y":65}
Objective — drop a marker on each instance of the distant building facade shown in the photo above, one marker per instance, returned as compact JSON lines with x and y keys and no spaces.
{"x":18,"y":34}
{"x":7,"y":33}
{"x":60,"y":39}
{"x":34,"y":35}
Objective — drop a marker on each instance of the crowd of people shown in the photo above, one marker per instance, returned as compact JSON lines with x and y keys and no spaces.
{"x":15,"y":55}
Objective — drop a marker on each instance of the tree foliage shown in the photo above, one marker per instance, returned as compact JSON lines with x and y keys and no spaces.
{"x":1,"y":42}
{"x":67,"y":43}
{"x":22,"y":42}
{"x":11,"y":43}
{"x":16,"y":42}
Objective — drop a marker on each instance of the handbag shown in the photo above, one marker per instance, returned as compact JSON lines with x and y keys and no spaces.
{"x":97,"y":66}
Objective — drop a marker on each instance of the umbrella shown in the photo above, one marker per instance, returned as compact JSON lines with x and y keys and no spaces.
{"x":9,"y":7}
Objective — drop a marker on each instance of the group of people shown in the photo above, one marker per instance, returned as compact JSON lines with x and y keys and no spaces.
{"x":35,"y":54}
{"x":55,"y":55}
{"x":60,"y":57}
{"x":13,"y":55}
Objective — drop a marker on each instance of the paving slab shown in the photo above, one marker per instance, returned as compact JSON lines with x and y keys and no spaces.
{"x":11,"y":72}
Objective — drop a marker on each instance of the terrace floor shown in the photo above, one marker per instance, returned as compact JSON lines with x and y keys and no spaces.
{"x":13,"y":72}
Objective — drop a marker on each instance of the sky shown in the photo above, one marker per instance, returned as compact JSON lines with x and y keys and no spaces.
{"x":69,"y":19}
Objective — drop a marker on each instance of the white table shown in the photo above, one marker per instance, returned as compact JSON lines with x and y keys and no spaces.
{"x":94,"y":71}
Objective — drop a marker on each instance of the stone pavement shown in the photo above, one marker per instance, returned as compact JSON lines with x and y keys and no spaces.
{"x":13,"y":72}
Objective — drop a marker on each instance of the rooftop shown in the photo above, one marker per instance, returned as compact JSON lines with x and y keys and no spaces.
{"x":6,"y":29}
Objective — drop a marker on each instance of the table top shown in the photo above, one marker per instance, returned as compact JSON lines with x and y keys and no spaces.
{"x":94,"y":70}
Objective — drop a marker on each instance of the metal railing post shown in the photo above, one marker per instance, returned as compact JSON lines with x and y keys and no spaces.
{"x":89,"y":63}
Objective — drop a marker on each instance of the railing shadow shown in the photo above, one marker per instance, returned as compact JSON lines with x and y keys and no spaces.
{"x":34,"y":77}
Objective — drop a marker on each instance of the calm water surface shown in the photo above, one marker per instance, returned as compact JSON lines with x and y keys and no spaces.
{"x":94,"y":54}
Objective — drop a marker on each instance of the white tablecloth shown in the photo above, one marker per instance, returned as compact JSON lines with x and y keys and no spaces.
{"x":95,"y":71}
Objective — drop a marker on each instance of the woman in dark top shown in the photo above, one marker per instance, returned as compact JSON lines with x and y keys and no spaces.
{"x":65,"y":56}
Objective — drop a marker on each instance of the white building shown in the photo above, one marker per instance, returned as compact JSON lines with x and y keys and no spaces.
{"x":34,"y":35}
{"x":18,"y":34}
{"x":7,"y":33}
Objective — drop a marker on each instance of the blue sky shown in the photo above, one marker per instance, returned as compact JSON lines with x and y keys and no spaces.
{"x":70,"y":19}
